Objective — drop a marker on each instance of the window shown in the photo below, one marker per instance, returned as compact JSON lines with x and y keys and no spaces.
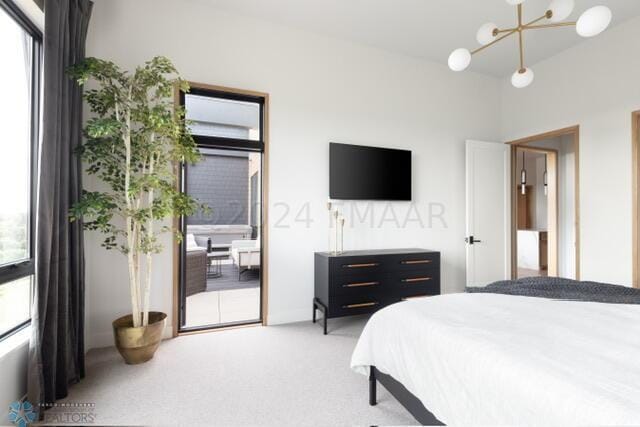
{"x":224,"y":118}
{"x":20,"y":50}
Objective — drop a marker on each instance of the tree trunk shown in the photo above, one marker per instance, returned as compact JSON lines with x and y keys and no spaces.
{"x":131,"y":227}
{"x":149,"y":263}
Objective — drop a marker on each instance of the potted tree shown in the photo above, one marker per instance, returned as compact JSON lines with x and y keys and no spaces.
{"x":133,"y":141}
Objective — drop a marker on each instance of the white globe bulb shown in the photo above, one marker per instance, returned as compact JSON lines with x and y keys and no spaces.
{"x":515,"y":2}
{"x":459,"y":59}
{"x":522,"y":80}
{"x":594,"y":21}
{"x":561,"y":9}
{"x":485,"y":33}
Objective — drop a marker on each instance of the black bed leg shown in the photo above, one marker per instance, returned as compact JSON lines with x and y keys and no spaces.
{"x":372,"y":386}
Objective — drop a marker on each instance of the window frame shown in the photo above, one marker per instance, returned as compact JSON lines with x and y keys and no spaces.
{"x":26,"y":267}
{"x":221,"y":142}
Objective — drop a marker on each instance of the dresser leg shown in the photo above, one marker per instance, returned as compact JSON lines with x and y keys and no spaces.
{"x":318,"y":305}
{"x":314,"y":311}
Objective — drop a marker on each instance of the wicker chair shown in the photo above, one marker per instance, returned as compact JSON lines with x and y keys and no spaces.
{"x":196,"y":271}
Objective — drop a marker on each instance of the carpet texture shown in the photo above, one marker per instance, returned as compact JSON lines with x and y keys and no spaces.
{"x":273,"y":376}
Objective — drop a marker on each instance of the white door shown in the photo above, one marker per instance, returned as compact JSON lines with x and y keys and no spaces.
{"x":488,"y":239}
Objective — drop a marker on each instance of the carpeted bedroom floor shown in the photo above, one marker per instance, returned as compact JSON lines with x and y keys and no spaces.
{"x":276,"y":376}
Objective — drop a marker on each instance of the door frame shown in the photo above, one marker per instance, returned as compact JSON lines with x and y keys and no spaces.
{"x":518,"y":143}
{"x":635,"y":216}
{"x":264,"y":263}
{"x":552,"y":207}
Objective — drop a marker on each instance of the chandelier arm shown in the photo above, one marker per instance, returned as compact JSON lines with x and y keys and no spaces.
{"x":545,"y":16}
{"x":559,"y":24}
{"x":506,"y":30}
{"x":520,"y":43}
{"x":481,"y":48}
{"x":521,"y":51}
{"x":520,"y":15}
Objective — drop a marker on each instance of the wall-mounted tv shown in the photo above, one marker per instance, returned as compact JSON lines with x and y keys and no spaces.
{"x":369,"y":173}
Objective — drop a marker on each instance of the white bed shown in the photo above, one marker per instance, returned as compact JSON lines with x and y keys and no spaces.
{"x":497,"y":359}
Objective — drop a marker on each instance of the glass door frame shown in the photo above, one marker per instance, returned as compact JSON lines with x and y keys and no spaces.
{"x":230,"y":144}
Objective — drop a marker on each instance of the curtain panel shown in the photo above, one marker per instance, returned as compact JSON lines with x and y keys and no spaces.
{"x":56,"y":356}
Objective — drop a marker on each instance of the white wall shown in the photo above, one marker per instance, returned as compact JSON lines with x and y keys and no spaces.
{"x":14,"y":354}
{"x":594,"y":85}
{"x":322,"y":90}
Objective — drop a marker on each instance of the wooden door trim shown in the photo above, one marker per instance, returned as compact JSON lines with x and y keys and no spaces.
{"x":635,"y":185}
{"x":546,"y":135}
{"x":264,"y":267}
{"x":524,"y":142}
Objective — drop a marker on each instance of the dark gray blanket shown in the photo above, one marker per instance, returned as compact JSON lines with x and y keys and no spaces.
{"x":562,"y":289}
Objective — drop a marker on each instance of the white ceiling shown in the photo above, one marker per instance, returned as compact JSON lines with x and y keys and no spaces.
{"x":429,"y":29}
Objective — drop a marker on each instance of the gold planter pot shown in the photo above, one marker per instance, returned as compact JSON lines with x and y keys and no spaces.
{"x":138,"y":345}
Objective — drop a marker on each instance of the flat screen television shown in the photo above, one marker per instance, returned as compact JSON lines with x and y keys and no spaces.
{"x":369,"y":173}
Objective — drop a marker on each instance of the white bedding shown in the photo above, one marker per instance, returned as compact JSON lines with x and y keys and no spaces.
{"x":496,"y":359}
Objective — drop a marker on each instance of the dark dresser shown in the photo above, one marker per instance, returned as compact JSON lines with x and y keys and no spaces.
{"x":361,"y":282}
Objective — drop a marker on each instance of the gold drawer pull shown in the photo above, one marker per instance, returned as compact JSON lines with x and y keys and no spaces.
{"x":417,"y":279}
{"x":358,"y":285}
{"x":370,"y":264}
{"x":415,"y":297}
{"x":364,"y":304}
{"x":418,"y":261}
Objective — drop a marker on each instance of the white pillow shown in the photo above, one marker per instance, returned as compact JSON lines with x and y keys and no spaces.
{"x":191,"y":242}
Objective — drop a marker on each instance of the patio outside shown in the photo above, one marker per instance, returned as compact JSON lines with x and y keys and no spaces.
{"x":223,"y":255}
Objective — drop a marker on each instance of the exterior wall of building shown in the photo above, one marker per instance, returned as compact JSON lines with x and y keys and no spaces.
{"x":221,"y":182}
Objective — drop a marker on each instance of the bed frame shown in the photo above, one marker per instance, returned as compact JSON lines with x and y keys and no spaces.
{"x":402,"y":395}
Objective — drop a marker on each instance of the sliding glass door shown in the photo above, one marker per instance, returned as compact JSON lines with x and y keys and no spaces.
{"x":221,"y":255}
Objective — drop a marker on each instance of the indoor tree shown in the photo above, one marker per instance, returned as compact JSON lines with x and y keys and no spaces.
{"x":133,"y":141}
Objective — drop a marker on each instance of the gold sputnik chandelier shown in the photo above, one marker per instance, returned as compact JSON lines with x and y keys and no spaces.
{"x":591,"y":23}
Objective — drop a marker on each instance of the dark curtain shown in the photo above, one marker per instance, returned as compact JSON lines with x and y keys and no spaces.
{"x":56,"y":357}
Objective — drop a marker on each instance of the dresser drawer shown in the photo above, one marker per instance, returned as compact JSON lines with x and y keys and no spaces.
{"x":347,"y":305}
{"x":360,"y":284}
{"x":356,"y":266}
{"x":414,"y":261}
{"x":426,"y":283}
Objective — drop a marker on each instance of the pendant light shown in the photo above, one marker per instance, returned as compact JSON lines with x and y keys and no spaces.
{"x":591,"y":23}
{"x":544,"y":177}
{"x":523,"y":177}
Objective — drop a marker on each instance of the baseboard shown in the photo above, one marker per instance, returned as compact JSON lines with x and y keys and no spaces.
{"x":289,"y":316}
{"x":105,"y":339}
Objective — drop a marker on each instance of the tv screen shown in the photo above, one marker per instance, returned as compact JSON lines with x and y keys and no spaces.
{"x":369,"y":173}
